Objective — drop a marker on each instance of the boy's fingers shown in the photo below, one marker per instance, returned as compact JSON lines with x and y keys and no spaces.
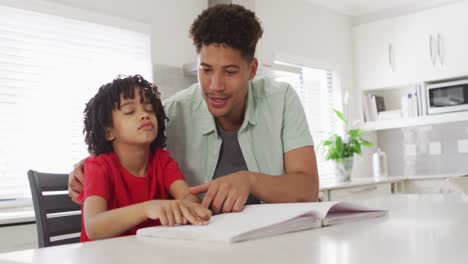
{"x":162,"y":217}
{"x":187,"y":214}
{"x":203,"y":213}
{"x":170,"y":215}
{"x":177,"y":215}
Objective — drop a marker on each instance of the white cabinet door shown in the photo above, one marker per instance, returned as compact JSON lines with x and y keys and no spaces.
{"x":453,"y":40}
{"x":416,"y":42}
{"x":424,"y":46}
{"x":423,"y":186}
{"x":374,"y":54}
{"x":360,"y":192}
{"x":18,"y":237}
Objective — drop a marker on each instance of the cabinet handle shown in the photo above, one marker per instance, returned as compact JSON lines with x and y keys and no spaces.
{"x":390,"y":57}
{"x":370,"y":188}
{"x":431,"y":39}
{"x":439,"y":49}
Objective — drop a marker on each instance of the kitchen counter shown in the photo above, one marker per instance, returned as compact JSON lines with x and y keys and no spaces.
{"x":16,"y":215}
{"x":332,"y":184}
{"x":23,"y":212}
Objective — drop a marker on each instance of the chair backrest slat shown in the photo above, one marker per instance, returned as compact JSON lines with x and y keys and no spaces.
{"x":63,"y":225}
{"x":58,"y":203}
{"x":65,"y":241}
{"x":44,"y":205}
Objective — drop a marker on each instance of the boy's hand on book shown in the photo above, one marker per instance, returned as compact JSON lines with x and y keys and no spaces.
{"x":196,"y":213}
{"x":228,"y":193}
{"x":177,"y":212}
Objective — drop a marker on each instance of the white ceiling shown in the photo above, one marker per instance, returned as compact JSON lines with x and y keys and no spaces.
{"x":365,"y":7}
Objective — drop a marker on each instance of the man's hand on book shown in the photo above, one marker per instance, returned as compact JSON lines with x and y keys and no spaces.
{"x":226,"y":194}
{"x":177,"y":212}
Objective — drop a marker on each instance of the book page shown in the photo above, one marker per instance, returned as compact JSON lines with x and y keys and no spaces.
{"x":260,"y":220}
{"x":225,"y":227}
{"x":347,"y":212}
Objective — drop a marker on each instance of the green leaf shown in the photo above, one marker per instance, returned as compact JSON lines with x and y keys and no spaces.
{"x":354,"y":133}
{"x":340,"y":116}
{"x":366,"y":143}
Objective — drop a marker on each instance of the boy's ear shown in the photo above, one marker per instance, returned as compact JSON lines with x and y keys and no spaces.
{"x":109,"y":134}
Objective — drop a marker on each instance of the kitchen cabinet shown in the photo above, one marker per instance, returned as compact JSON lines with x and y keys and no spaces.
{"x":436,"y":185}
{"x":432,"y":44}
{"x":453,"y":21}
{"x":374,"y":50}
{"x":360,"y":192}
{"x":18,"y":237}
{"x":424,"y":46}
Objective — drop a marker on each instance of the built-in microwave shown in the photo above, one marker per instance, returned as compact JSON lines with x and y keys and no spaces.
{"x":446,"y":97}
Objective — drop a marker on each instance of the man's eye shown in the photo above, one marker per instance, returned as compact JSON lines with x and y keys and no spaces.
{"x":231,"y":72}
{"x":129,"y":112}
{"x":205,"y":70}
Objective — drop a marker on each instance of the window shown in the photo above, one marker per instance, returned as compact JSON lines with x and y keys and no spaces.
{"x":317,"y":91}
{"x":50,"y":67}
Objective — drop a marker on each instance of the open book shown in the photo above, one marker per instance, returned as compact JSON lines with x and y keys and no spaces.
{"x":263,"y":220}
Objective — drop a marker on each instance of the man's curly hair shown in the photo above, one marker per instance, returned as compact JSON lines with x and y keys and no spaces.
{"x":98,"y":111}
{"x":229,"y":25}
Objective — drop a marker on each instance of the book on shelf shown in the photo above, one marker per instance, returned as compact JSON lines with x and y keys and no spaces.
{"x":372,"y":105}
{"x":413,"y":102}
{"x":265,"y":220}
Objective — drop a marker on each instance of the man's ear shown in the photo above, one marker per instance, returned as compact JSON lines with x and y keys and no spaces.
{"x":109,"y":134}
{"x":253,"y":68}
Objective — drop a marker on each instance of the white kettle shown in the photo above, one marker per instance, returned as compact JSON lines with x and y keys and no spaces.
{"x":379,"y":165}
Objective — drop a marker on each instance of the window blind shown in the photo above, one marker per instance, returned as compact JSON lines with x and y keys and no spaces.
{"x":317,"y":92}
{"x":50,"y":66}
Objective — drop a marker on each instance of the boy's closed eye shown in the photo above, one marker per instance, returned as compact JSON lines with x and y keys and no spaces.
{"x":148,"y":107}
{"x":128,"y":109}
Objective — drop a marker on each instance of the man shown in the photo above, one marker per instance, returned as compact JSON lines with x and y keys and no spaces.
{"x":238,"y":140}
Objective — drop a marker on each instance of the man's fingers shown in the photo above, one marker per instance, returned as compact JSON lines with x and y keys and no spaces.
{"x":229,"y":202}
{"x":73,"y":195}
{"x":240,"y":202}
{"x":75,"y":185}
{"x":196,"y":190}
{"x":210,"y":194}
{"x":219,"y":199}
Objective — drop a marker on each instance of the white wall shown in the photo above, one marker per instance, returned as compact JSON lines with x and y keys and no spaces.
{"x":169,"y":20}
{"x":303,"y":33}
{"x":300,"y":32}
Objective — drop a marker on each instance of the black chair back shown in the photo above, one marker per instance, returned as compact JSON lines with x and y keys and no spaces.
{"x":58,"y":218}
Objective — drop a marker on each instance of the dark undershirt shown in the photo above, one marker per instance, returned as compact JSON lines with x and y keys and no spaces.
{"x":231,"y":159}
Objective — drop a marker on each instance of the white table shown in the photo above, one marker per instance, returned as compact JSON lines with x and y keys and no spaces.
{"x":419,"y":229}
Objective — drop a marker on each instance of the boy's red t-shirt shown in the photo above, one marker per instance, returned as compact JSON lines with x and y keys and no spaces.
{"x":105,"y":176}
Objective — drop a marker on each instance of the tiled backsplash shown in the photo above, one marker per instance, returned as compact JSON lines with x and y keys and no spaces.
{"x":409,"y":149}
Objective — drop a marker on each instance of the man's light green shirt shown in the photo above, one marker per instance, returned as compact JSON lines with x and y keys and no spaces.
{"x":274,"y":124}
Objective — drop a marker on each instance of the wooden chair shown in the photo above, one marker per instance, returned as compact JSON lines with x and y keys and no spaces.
{"x":58,"y":218}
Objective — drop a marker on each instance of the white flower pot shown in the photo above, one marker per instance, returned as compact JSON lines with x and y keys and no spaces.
{"x":343,"y":169}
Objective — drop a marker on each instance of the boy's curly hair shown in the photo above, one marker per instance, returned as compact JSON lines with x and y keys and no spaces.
{"x":227,"y":24}
{"x":98,"y":111}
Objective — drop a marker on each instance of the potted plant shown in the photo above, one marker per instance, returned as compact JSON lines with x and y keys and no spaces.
{"x":341,"y":150}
